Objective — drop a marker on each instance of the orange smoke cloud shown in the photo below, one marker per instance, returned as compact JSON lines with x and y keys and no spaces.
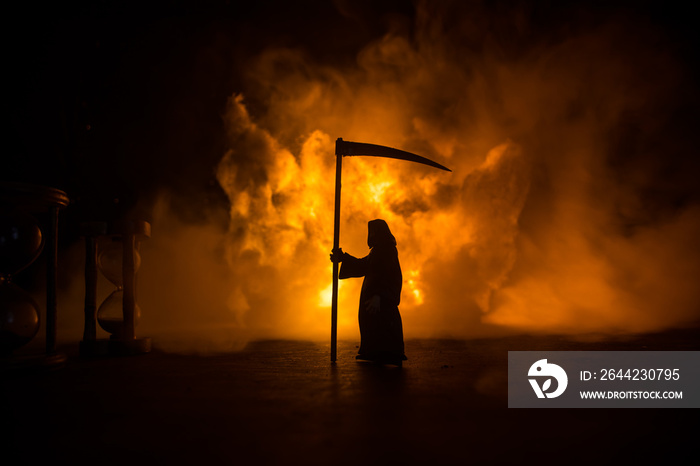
{"x":531,"y":230}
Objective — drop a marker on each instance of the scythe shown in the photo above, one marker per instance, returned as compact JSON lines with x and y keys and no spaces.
{"x":343,"y":149}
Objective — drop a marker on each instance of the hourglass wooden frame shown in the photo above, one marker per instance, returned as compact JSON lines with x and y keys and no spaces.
{"x":42,"y":200}
{"x":124,"y":342}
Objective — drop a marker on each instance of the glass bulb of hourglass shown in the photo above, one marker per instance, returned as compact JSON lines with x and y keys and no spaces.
{"x":110,"y":261}
{"x":19,"y":317}
{"x":110,"y":315}
{"x":20,"y":241}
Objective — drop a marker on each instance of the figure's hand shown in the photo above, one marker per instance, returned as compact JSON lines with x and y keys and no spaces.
{"x":374,"y":304}
{"x":337,"y":255}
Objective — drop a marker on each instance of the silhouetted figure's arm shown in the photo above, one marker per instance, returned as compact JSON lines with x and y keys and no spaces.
{"x":383,"y":276}
{"x":353,"y":267}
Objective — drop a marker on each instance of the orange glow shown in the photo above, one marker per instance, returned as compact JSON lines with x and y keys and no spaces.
{"x":535,"y":229}
{"x":470,"y":257}
{"x":288,"y":223}
{"x":413,"y":288}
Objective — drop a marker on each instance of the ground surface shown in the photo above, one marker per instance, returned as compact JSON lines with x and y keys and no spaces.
{"x":282,"y":402}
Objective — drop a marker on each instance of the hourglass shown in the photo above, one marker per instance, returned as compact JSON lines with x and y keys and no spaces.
{"x":21,"y":243}
{"x":117,"y":257}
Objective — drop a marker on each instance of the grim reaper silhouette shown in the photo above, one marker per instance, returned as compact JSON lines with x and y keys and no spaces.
{"x":381,"y":330}
{"x":385,"y":259}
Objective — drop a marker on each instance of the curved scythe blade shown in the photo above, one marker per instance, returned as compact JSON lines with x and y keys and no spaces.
{"x":347,"y":148}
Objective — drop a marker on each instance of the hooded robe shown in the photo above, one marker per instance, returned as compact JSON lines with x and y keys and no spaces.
{"x":381,"y":332}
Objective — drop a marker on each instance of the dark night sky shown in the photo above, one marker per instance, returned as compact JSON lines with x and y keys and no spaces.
{"x":114,"y":102}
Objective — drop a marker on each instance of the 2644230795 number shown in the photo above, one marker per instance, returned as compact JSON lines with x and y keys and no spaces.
{"x":640,"y":374}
